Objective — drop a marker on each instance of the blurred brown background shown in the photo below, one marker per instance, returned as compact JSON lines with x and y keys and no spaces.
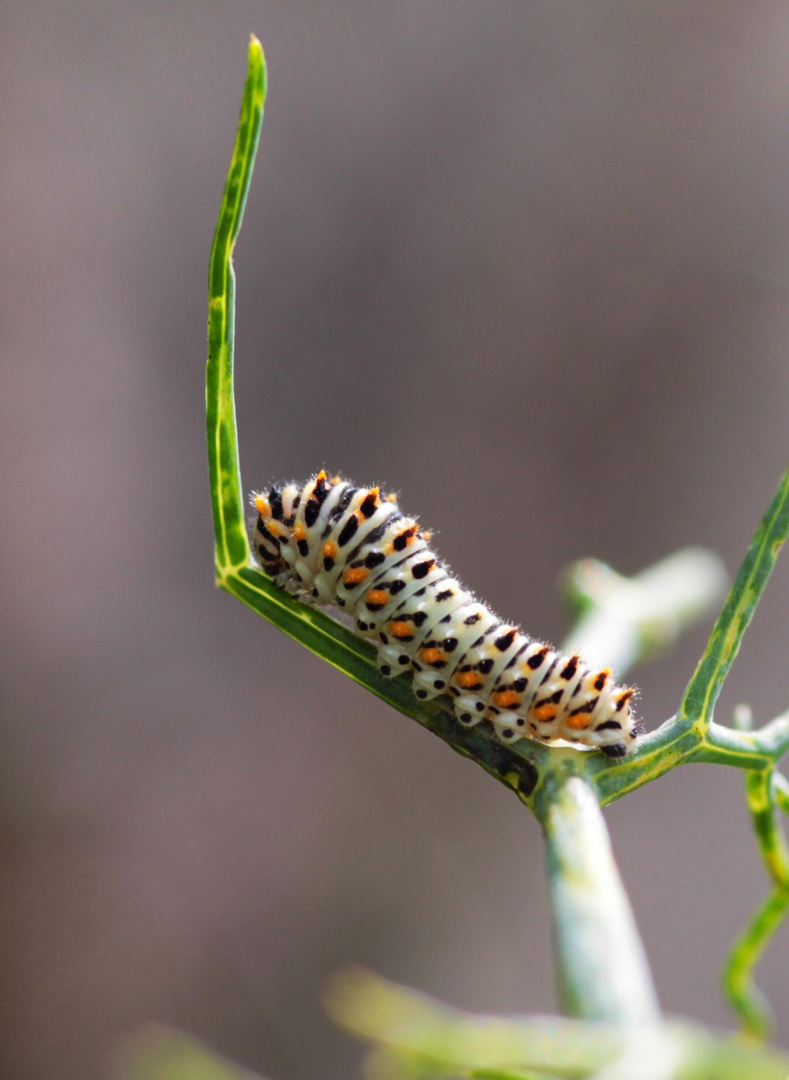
{"x":526,"y":264}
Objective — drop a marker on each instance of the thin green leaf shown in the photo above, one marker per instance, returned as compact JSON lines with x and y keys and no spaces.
{"x":323,"y":635}
{"x":702,"y":692}
{"x":231,"y":548}
{"x":516,"y":766}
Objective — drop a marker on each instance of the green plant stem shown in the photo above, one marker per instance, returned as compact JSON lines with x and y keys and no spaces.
{"x":604,"y":974}
{"x":621,"y":619}
{"x":745,"y":998}
{"x":231,"y":549}
{"x":762,"y":790}
{"x":698,"y":701}
{"x":781,"y":791}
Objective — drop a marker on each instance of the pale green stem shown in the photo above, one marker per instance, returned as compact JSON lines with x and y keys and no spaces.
{"x":604,"y":974}
{"x":628,"y":617}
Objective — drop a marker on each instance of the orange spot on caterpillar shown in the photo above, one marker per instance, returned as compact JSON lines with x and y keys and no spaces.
{"x":469,"y":680}
{"x":506,"y":699}
{"x":578,"y":722}
{"x":427,"y":536}
{"x":335,"y":480}
{"x":377,"y":596}
{"x":299,"y":532}
{"x":432,"y":656}
{"x":391,"y":498}
{"x":262,"y":506}
{"x":353,"y":575}
{"x":329,"y":549}
{"x":543,"y":713}
{"x":401,"y":629}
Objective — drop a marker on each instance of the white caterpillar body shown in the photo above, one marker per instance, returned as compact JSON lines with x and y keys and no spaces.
{"x":332,"y":543}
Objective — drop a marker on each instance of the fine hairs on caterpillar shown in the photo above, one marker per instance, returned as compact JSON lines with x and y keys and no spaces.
{"x":331,"y":543}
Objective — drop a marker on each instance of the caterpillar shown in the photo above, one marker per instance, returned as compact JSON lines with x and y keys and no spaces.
{"x":332,"y":543}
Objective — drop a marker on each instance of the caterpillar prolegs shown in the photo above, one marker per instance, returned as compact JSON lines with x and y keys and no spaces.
{"x":332,"y":543}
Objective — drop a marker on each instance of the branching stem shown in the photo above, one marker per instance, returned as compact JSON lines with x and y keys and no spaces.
{"x":564,"y":787}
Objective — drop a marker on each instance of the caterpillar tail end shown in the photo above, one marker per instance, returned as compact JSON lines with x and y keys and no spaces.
{"x":614,"y":750}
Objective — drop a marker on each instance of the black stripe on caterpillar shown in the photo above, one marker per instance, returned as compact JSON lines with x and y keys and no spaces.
{"x":331,"y":543}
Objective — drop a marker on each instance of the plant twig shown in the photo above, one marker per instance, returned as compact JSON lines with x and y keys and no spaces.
{"x":231,"y":546}
{"x":604,"y":970}
{"x":698,"y":701}
{"x":742,"y":993}
{"x":624,"y":620}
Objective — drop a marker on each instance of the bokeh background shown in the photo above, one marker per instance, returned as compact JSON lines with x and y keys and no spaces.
{"x":526,"y":264}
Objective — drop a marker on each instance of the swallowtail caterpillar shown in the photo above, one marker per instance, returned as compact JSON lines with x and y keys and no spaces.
{"x":332,"y":543}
